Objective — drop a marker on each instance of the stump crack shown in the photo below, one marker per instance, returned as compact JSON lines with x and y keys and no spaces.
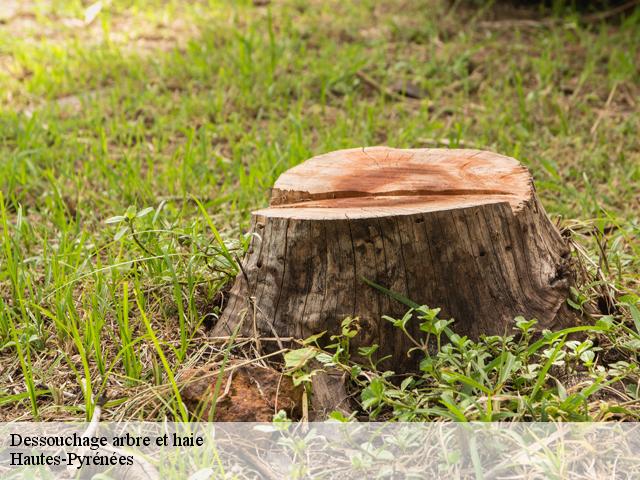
{"x":294,"y":199}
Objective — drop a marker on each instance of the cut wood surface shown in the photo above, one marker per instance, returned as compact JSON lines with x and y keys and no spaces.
{"x":347,"y":181}
{"x":461,"y":230}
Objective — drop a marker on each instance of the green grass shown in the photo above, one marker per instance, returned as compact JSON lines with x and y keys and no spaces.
{"x":191,"y":110}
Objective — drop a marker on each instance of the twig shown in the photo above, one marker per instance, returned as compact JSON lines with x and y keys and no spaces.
{"x":550,"y":22}
{"x":595,"y":17}
{"x":269,"y":323}
{"x":387,"y":92}
{"x":606,"y":107}
{"x":134,"y":235}
{"x":235,"y":366}
{"x":515,"y":23}
{"x":227,"y":387}
{"x":264,"y":339}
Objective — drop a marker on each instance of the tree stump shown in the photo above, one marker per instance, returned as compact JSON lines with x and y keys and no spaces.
{"x":461,"y":230}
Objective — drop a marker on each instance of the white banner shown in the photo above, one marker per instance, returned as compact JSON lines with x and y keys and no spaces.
{"x":319,"y":450}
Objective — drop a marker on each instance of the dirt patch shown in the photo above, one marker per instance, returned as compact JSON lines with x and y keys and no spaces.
{"x":248,"y":393}
{"x":32,"y":22}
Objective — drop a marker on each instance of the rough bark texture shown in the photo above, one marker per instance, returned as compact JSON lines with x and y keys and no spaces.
{"x":329,"y":392}
{"x":458,"y":229}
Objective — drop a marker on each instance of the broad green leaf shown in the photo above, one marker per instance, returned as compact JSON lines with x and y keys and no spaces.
{"x":144,"y":211}
{"x":116,"y":219}
{"x":373,"y":394}
{"x":296,"y":359}
{"x":313,"y":338}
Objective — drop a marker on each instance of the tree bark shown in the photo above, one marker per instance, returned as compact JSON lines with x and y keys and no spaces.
{"x":461,"y":230}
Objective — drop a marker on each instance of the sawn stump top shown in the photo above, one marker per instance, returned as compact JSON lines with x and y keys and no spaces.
{"x":382,"y":181}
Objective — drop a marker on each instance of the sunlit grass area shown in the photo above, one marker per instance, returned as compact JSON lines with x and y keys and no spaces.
{"x":136,"y":137}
